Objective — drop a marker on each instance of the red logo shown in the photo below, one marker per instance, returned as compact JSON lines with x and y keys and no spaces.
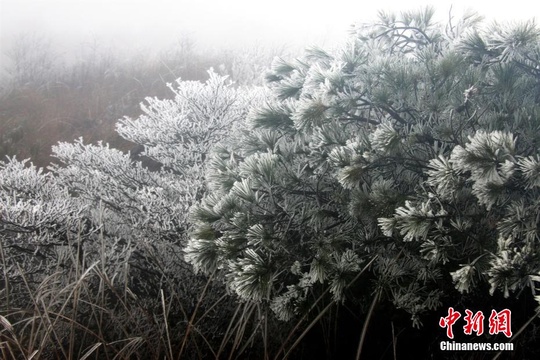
{"x":448,"y":322}
{"x":499,"y":322}
{"x":475,"y":323}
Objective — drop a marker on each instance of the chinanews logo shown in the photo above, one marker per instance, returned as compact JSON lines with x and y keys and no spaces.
{"x":499,"y":322}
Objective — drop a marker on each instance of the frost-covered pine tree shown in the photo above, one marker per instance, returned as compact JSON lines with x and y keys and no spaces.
{"x":402,"y":168}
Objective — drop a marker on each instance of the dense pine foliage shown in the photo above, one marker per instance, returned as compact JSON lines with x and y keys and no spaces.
{"x":396,"y":175}
{"x":416,"y":146}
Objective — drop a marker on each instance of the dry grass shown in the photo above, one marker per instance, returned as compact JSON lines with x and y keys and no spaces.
{"x":78,"y":307}
{"x":83,"y":311}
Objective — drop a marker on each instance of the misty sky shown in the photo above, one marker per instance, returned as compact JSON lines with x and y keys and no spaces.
{"x":142,"y":24}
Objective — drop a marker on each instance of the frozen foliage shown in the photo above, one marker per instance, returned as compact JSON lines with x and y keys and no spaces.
{"x":179,"y":132}
{"x":99,"y":209}
{"x":415,"y":145}
{"x":37,"y":216}
{"x":146,"y":203}
{"x":32,"y":201}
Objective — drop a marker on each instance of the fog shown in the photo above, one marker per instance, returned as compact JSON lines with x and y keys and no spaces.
{"x":144,"y":24}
